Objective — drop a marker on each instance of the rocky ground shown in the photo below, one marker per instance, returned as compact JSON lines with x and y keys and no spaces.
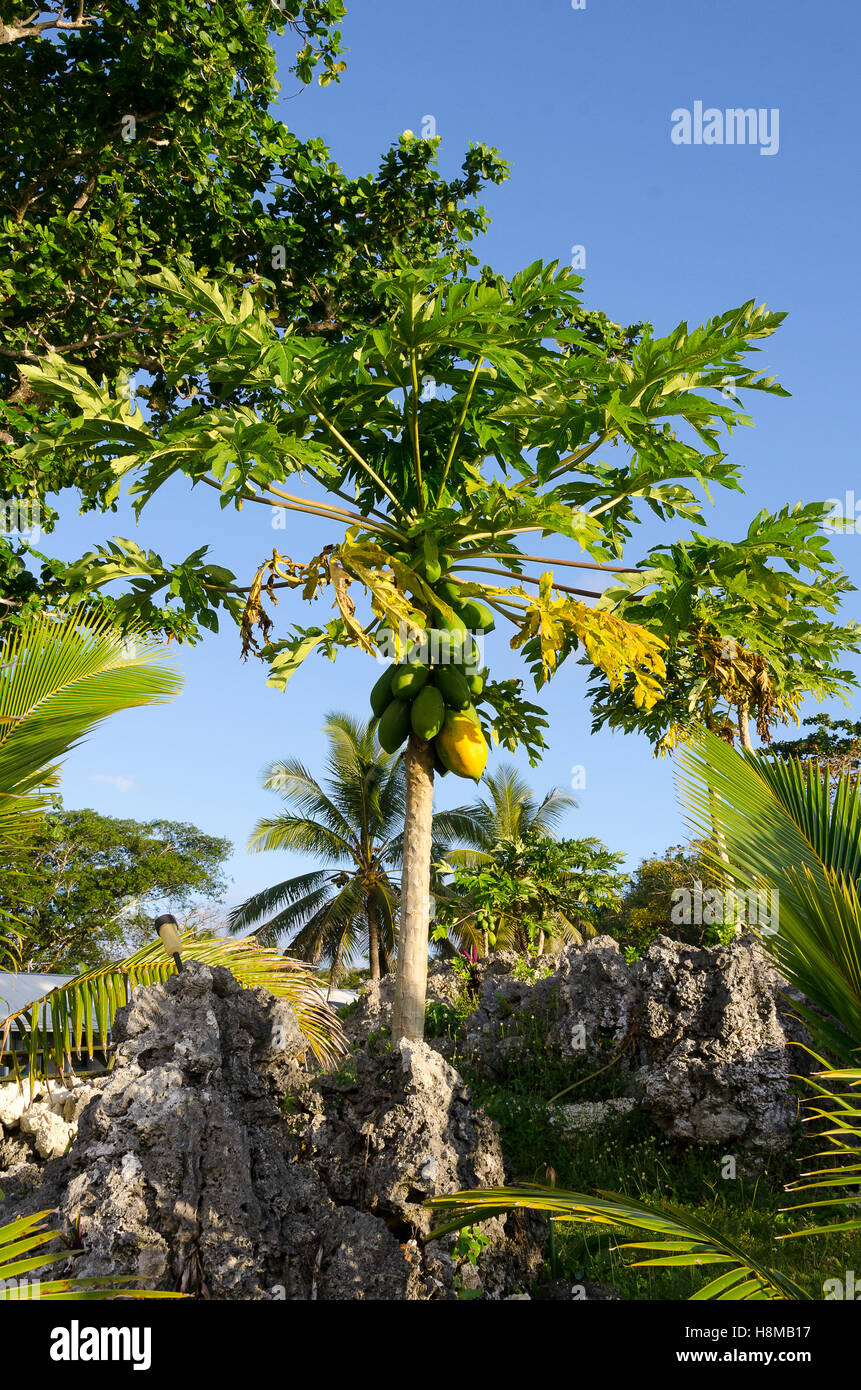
{"x":704,"y":1036}
{"x":215,"y":1159}
{"x":210,"y":1159}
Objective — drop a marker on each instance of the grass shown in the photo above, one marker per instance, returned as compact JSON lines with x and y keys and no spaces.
{"x":628,"y":1155}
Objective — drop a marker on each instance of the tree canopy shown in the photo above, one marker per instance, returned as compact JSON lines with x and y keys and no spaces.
{"x":136,"y":135}
{"x":83,"y":890}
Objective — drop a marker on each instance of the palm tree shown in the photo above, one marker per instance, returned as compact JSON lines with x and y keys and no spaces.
{"x":498,"y":827}
{"x":353,"y":826}
{"x":510,"y":811}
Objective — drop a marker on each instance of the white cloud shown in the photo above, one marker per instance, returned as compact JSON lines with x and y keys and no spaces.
{"x":122,"y":784}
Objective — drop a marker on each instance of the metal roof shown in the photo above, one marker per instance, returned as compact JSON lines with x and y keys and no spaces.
{"x":17,"y":991}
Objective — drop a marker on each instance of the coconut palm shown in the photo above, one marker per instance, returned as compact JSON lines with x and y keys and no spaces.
{"x":509,"y":811}
{"x":353,"y":826}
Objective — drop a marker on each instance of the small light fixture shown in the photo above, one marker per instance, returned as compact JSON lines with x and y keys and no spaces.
{"x":166,"y":926}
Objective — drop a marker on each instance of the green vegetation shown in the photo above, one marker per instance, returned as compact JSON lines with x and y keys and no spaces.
{"x":83,"y":890}
{"x":775,"y":826}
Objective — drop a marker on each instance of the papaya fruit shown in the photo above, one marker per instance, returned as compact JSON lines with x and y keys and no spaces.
{"x":453,"y":625}
{"x":445,"y":648}
{"x":394,"y":726}
{"x":408,"y":680}
{"x":461,"y":746}
{"x":449,"y":592}
{"x":476,"y":616}
{"x":381,"y":693}
{"x":475,"y":683}
{"x":427,"y":712}
{"x":453,"y":687}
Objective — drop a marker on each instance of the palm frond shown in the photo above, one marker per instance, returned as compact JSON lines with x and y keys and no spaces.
{"x":292,"y":780}
{"x":680,"y":1239}
{"x":79,"y":1014}
{"x":20,"y":1239}
{"x":261,"y":906}
{"x":778,"y":828}
{"x":302,"y":834}
{"x":59,"y":677}
{"x":839,"y":1114}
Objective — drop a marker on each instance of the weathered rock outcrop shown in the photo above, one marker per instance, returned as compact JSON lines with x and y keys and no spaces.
{"x":209,"y":1160}
{"x":703,"y":1035}
{"x":716,"y":1057}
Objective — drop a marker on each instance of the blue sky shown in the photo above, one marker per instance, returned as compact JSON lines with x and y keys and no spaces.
{"x":580,"y":103}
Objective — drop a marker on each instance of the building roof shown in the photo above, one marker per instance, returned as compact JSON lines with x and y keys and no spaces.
{"x":17,"y":991}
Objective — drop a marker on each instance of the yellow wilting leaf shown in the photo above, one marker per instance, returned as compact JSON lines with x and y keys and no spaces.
{"x":616,"y":647}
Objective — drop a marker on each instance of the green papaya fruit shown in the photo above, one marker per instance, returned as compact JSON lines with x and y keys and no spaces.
{"x":476,"y":616}
{"x":394,"y":726}
{"x":452,"y":686}
{"x":427,"y":712}
{"x":450,"y":592}
{"x":454,"y":624}
{"x":408,"y":680}
{"x":381,"y":693}
{"x":475,"y":683}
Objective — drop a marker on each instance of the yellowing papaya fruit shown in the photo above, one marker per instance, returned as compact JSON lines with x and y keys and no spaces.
{"x":453,"y":687}
{"x":461,"y":746}
{"x":394,"y":726}
{"x":409,"y":679}
{"x":427,"y":712}
{"x":381,"y":693}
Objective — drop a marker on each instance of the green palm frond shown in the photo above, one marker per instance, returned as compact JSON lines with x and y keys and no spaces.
{"x":679,"y":1238}
{"x":334,"y":932}
{"x":19,"y":1242}
{"x":840,"y":1116}
{"x":59,"y":677}
{"x":302,"y":834}
{"x":79,"y":1014}
{"x":295,"y":899}
{"x":292,"y":780}
{"x":783,"y":833}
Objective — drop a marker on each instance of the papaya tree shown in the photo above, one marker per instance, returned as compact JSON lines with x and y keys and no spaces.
{"x":469,"y":415}
{"x":746,"y":640}
{"x":136,"y":132}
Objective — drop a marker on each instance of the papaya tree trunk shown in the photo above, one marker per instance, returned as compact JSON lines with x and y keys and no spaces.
{"x":744,"y":727}
{"x":412,"y":967}
{"x":373,"y":937}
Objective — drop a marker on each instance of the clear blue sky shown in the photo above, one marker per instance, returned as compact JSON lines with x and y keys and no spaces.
{"x":579,"y":102}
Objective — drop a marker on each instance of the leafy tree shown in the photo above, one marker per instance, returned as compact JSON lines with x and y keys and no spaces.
{"x":82,"y":892}
{"x":137,"y":134}
{"x":529,"y":890}
{"x":745,"y":639}
{"x":468,"y":415}
{"x":833,"y":743}
{"x":647,"y":905}
{"x":353,"y":826}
